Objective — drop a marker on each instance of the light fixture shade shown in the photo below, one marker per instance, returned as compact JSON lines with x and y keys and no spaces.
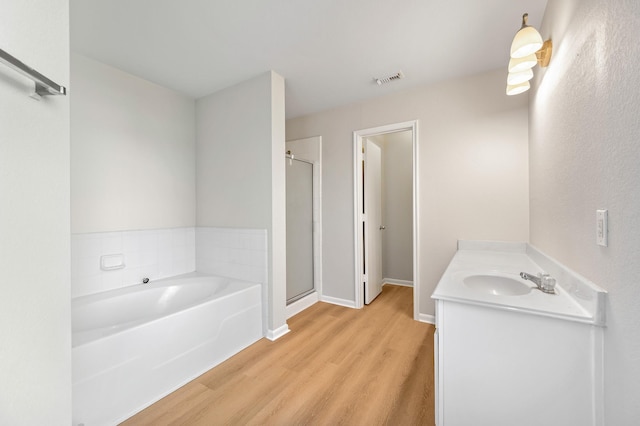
{"x":518,"y":88}
{"x":522,"y":64}
{"x":515,"y":78}
{"x":527,"y":41}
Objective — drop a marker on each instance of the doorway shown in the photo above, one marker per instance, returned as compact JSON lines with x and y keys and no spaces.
{"x":374,"y":237}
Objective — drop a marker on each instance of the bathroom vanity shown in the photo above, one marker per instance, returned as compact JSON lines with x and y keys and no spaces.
{"x":508,"y":353}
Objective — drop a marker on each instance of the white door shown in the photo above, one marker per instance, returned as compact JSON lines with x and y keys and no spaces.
{"x":373,"y":221}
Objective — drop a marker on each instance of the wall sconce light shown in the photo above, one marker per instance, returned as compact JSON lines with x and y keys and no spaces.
{"x":527,"y":50}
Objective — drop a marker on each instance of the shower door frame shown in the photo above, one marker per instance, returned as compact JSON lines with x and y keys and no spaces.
{"x":314,"y":176}
{"x":310,"y":149}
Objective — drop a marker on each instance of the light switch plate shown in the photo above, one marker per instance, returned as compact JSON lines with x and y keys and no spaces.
{"x":602,"y":228}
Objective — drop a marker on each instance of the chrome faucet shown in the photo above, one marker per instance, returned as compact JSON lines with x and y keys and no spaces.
{"x":544,"y":282}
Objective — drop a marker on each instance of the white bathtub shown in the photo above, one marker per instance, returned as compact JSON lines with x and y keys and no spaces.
{"x":134,"y":345}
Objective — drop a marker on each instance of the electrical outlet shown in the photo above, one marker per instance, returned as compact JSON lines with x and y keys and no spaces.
{"x":602,"y":228}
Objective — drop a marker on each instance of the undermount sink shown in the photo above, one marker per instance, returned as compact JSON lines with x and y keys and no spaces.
{"x":497,"y":285}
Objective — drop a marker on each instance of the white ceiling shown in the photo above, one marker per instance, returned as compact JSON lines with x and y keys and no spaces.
{"x":327,"y":50}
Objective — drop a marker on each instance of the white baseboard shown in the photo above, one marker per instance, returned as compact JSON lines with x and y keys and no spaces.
{"x":430,"y":319}
{"x":393,"y":281}
{"x":277,"y":333}
{"x":302,"y":304}
{"x":337,"y":301}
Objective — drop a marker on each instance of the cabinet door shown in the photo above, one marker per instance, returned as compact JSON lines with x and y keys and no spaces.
{"x":496,"y":366}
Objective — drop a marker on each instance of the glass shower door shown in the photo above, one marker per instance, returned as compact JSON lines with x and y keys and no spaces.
{"x":299,"y":229}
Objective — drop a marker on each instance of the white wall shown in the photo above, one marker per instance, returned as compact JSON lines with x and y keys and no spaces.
{"x":132,"y":152}
{"x":473,"y":171}
{"x":397,"y":208}
{"x":240,"y":171}
{"x":584,"y":155}
{"x":35,"y":330}
{"x":233,"y":156}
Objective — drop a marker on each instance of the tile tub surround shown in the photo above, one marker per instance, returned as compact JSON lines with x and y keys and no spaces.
{"x":162,"y":253}
{"x":154,"y":254}
{"x":233,"y":253}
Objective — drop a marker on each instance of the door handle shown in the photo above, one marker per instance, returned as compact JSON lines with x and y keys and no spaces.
{"x":382,"y":227}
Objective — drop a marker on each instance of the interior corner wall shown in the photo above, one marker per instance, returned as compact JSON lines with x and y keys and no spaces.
{"x":132,"y":152}
{"x":35,"y":312}
{"x":584,"y":155}
{"x":240,"y":170}
{"x":472,"y":168}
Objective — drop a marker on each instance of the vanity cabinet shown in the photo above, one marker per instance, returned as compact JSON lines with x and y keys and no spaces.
{"x":496,"y":367}
{"x":507,"y":354}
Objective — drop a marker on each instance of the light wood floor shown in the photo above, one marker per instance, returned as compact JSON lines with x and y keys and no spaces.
{"x":337,"y":366}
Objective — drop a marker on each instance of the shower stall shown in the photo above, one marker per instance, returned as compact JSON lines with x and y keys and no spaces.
{"x":300,"y":228}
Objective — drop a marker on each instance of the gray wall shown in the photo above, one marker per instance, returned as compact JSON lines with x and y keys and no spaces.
{"x":234,"y":156}
{"x":35,"y":330}
{"x":240,"y":170}
{"x":397,"y":208}
{"x":584,"y":155}
{"x":132,"y":152}
{"x":472,"y":171}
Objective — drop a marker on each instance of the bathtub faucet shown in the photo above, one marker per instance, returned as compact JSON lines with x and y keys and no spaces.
{"x":544,"y":282}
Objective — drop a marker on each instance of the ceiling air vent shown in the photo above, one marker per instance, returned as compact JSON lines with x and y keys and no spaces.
{"x":389,"y":79}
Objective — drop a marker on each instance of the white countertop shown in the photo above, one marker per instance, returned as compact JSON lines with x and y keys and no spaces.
{"x":582,"y":302}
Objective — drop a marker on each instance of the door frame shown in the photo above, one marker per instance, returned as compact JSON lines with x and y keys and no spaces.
{"x":358,"y":217}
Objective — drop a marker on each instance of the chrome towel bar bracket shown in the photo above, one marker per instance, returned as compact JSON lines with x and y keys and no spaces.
{"x":44,"y":86}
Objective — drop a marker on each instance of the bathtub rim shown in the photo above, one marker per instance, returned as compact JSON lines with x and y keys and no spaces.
{"x":160,"y":283}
